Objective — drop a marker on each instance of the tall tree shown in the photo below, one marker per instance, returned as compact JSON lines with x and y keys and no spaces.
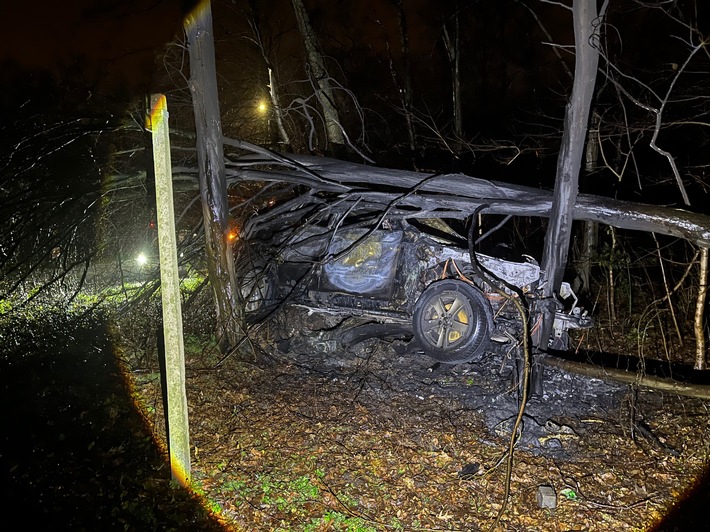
{"x":320,"y":77}
{"x":559,"y":230}
{"x":406,"y":88}
{"x":452,"y":42}
{"x":254,"y":24}
{"x":212,"y":177}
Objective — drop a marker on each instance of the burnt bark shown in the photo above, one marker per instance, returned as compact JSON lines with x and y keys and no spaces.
{"x":212,"y":176}
{"x":559,"y":231}
{"x":453,"y":52}
{"x":418,"y":195}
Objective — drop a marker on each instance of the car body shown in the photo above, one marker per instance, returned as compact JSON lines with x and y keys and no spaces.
{"x":408,"y":272}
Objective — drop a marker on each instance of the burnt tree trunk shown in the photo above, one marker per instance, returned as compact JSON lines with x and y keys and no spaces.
{"x":701,"y":391}
{"x":419,"y":195}
{"x":212,"y":176}
{"x":559,"y":231}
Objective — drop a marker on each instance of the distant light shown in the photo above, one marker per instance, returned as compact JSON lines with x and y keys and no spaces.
{"x":141,"y":259}
{"x":262,"y":107}
{"x":232,"y":235}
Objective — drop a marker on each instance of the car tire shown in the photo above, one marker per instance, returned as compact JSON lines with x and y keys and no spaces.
{"x":453,"y":321}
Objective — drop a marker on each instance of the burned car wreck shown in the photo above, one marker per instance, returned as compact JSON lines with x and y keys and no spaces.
{"x":411,"y":274}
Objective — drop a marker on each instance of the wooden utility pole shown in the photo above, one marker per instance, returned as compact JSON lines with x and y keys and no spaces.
{"x":178,"y":431}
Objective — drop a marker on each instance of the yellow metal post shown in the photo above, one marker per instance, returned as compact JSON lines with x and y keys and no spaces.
{"x":178,"y":431}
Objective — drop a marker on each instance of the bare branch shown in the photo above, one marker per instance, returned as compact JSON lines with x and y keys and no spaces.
{"x":550,"y":39}
{"x":560,"y":4}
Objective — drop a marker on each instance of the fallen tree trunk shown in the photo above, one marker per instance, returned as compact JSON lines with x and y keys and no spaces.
{"x":417,"y":195}
{"x":699,"y":391}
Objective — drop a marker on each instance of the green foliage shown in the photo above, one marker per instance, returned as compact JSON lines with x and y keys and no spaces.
{"x":294,"y":497}
{"x":5,"y":306}
{"x":333,"y":520}
{"x":188,"y":285}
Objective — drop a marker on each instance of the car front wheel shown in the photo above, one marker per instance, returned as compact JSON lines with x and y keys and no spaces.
{"x":453,"y":321}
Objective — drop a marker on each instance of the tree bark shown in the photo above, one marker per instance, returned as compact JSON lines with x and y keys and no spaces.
{"x":559,"y":231}
{"x":406,"y":89}
{"x":278,"y":111}
{"x":212,"y":176}
{"x":590,"y":230}
{"x":273,"y":78}
{"x":453,"y":51}
{"x":667,"y":385}
{"x":448,"y":195}
{"x":324,"y":92}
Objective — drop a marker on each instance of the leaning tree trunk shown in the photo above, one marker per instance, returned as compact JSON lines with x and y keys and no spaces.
{"x":278,"y":110}
{"x":212,"y":176}
{"x":453,"y":51}
{"x":557,"y":238}
{"x":324,"y":92}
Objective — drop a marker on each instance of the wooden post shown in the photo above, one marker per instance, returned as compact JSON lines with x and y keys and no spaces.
{"x":178,"y":432}
{"x":700,"y":311}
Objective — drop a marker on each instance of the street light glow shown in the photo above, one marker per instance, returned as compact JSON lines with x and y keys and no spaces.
{"x":141,"y":259}
{"x":262,"y":107}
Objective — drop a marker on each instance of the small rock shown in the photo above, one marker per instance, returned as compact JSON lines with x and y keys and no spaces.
{"x":546,"y":497}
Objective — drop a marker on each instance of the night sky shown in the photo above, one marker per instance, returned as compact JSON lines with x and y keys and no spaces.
{"x":82,"y":49}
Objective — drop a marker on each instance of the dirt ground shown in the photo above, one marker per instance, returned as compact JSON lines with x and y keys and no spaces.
{"x":378,"y":437}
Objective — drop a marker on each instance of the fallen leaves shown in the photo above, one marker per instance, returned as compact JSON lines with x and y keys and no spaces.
{"x":315,"y":453}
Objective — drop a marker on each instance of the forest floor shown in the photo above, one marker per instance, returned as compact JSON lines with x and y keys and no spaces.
{"x":378,"y":437}
{"x":374,"y":437}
